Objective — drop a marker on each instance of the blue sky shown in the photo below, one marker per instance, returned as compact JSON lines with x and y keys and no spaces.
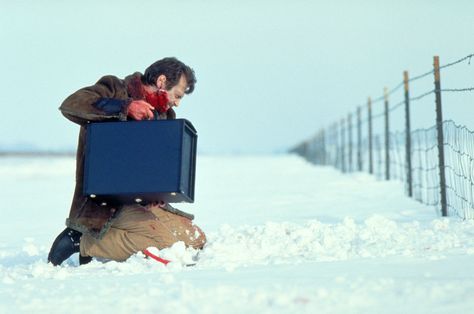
{"x":270,"y":73}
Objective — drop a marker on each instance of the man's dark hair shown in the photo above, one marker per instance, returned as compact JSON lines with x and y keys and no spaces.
{"x":172,"y":68}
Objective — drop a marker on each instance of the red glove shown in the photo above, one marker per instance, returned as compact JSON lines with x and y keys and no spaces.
{"x":159,"y":100}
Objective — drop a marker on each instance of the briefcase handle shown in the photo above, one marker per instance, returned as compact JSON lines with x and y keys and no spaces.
{"x":156,"y":115}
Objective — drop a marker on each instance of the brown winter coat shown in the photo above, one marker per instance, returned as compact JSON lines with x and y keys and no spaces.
{"x":80,"y":107}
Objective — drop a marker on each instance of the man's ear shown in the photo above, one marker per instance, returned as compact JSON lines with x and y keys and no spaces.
{"x":161,"y":81}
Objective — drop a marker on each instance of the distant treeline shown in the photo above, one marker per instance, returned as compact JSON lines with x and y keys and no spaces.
{"x":37,"y":154}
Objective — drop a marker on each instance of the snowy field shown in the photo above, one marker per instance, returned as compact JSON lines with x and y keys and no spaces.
{"x":284,"y":237}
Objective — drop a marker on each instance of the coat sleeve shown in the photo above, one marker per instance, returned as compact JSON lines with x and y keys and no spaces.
{"x":106,"y":100}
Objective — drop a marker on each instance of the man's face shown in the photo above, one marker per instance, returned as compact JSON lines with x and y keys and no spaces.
{"x":176,"y":93}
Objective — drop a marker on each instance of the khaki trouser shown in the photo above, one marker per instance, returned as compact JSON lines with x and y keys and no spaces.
{"x":137,"y":228}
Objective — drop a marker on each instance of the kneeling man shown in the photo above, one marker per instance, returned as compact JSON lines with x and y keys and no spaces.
{"x":117,"y":232}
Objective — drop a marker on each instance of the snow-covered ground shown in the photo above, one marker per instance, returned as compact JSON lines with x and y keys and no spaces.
{"x":284,"y":237}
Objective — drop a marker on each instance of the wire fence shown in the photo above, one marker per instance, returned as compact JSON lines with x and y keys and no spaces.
{"x":436,"y":163}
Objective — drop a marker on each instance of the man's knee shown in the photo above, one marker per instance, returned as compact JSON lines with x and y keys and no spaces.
{"x":116,"y":245}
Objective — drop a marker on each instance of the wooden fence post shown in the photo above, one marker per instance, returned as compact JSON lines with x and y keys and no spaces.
{"x":349,"y":134}
{"x":379,"y":173}
{"x":323,"y":147}
{"x":439,"y":128}
{"x":408,"y":135}
{"x":371,"y":157}
{"x":343,"y":145}
{"x":314,"y":149}
{"x":387,"y":136}
{"x":338,"y":152}
{"x":336,"y":146}
{"x":359,"y":140}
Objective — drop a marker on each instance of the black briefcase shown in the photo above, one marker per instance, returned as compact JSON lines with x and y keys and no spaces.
{"x":140,"y":161}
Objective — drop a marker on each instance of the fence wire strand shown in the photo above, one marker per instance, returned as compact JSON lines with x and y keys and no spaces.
{"x":467,"y":89}
{"x":458,"y":61}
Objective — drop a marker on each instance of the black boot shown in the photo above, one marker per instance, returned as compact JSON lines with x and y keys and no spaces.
{"x":66,"y":244}
{"x":84,"y":259}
